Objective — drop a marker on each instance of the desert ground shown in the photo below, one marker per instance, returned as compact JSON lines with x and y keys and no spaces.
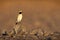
{"x":38,"y":15}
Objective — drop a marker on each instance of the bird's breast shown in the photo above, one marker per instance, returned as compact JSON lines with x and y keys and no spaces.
{"x":19,"y":18}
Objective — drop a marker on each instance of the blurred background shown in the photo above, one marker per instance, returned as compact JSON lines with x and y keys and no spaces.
{"x":42,"y":14}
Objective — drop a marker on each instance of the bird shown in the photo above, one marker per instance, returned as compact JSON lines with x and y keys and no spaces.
{"x":19,"y":17}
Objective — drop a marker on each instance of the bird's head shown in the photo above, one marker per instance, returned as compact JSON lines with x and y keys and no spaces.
{"x":20,"y":12}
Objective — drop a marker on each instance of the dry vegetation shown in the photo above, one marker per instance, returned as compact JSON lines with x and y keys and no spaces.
{"x":35,"y":34}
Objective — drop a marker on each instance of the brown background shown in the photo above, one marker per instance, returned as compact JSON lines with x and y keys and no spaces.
{"x":36,"y":13}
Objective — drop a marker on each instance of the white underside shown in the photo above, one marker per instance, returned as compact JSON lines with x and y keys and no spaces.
{"x":19,"y":18}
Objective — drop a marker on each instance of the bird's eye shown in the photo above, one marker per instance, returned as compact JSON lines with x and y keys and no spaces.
{"x":20,"y":12}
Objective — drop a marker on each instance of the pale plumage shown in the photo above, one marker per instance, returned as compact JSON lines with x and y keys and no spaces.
{"x":19,"y":17}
